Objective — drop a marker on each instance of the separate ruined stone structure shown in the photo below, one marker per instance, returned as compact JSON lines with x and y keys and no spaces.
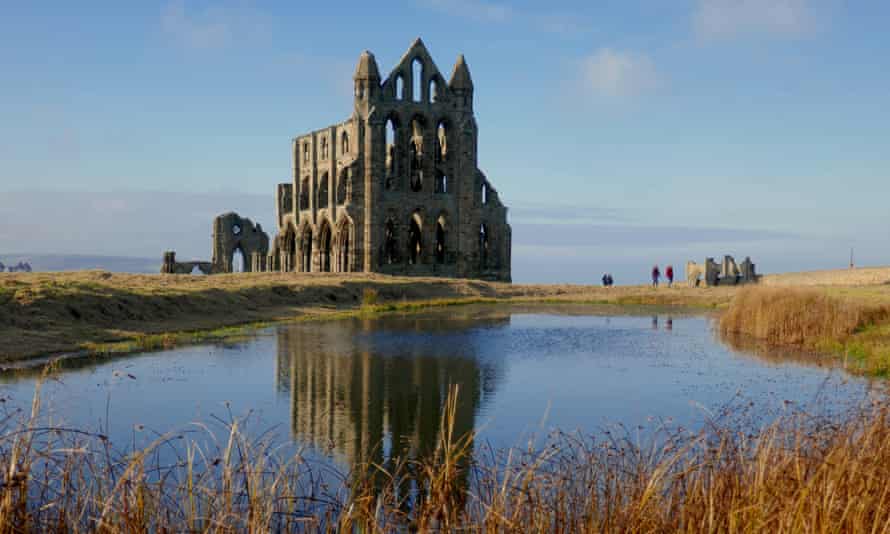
{"x":171,"y":266}
{"x":726,"y":273}
{"x":232,"y":234}
{"x":235,"y":234}
{"x":396,"y":187}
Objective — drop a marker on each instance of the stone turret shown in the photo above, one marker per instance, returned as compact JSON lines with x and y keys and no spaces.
{"x":366,"y":77}
{"x":461,"y":83}
{"x":169,"y":264}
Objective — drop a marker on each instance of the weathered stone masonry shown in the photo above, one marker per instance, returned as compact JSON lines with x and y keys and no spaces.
{"x":232,"y":234}
{"x":395,"y":188}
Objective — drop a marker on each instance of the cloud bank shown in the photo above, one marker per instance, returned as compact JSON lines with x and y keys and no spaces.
{"x":209,"y":28}
{"x":720,"y":19}
{"x":477,"y":10}
{"x":609,"y":72}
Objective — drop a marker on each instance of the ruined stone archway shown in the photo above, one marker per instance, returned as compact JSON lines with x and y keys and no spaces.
{"x":343,"y":185}
{"x":484,"y":246}
{"x":232,"y":232}
{"x":240,"y":263}
{"x":344,"y":245}
{"x":306,"y":249}
{"x":416,"y":153}
{"x":289,"y":259}
{"x":441,"y":228}
{"x":415,"y":240}
{"x":325,"y":240}
{"x":390,"y":243}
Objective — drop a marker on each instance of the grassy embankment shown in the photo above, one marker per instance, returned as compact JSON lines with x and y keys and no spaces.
{"x":850,"y":322}
{"x":797,"y":475}
{"x":99,"y":312}
{"x":844,"y":312}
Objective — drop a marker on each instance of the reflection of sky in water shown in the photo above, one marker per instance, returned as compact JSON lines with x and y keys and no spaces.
{"x":349,"y":385}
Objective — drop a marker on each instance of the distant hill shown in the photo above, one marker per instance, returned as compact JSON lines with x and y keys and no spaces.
{"x":76,"y":262}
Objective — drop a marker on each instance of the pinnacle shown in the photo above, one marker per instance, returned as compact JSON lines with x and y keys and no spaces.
{"x":460,"y":76}
{"x":367,"y":67}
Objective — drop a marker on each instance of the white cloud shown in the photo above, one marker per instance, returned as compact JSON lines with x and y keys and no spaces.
{"x":478,"y":10}
{"x":213,"y":27}
{"x":610,"y":72}
{"x":730,"y":18}
{"x":563,"y":24}
{"x":548,"y":21}
{"x":194,"y":31}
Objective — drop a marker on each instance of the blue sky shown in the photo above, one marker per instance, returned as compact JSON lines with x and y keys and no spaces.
{"x":743,"y":115}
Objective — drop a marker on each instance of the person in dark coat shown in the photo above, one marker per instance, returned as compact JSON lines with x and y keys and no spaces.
{"x":656,"y":274}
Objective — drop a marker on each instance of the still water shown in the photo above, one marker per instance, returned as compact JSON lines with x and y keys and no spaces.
{"x":345,"y":388}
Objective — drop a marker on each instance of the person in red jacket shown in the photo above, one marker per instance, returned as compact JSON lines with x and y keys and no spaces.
{"x":669,"y":274}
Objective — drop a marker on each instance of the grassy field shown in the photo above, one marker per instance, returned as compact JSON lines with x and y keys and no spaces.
{"x":46,"y":313}
{"x":97,"y":311}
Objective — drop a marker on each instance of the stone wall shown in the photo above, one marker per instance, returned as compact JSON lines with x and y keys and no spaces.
{"x":232,"y":234}
{"x":710,"y":273}
{"x":171,"y":266}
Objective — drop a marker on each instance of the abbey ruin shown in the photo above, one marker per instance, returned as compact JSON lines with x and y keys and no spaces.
{"x":394,"y":189}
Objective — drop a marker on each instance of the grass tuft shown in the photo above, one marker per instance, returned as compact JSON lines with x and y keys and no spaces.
{"x":798,"y":474}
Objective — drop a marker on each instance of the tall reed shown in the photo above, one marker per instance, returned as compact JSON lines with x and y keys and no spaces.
{"x":797,"y":474}
{"x":792,"y":316}
{"x":815,"y":320}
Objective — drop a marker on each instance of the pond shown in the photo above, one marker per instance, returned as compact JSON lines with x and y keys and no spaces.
{"x":350,"y":389}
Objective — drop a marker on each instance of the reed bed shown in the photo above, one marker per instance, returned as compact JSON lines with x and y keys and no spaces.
{"x":796,"y":474}
{"x":855,"y":328}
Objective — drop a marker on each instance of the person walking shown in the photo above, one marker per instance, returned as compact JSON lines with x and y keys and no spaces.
{"x":669,"y":274}
{"x":656,"y":274}
{"x":605,"y":279}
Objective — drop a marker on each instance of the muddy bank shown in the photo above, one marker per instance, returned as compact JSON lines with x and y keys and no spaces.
{"x":47,"y":313}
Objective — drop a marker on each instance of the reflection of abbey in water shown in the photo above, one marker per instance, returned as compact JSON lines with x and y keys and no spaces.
{"x":350,"y":390}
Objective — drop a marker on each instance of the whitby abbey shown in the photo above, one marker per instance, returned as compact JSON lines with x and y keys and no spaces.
{"x":394,"y":189}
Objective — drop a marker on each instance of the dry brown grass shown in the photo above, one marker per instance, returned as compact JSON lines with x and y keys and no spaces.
{"x":799,"y":474}
{"x":45,"y":313}
{"x":792,"y":316}
{"x":90,"y":311}
{"x":843,"y":323}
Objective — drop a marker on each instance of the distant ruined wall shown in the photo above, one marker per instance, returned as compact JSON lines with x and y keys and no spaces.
{"x":231,"y":234}
{"x":171,"y":266}
{"x":726,"y":273}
